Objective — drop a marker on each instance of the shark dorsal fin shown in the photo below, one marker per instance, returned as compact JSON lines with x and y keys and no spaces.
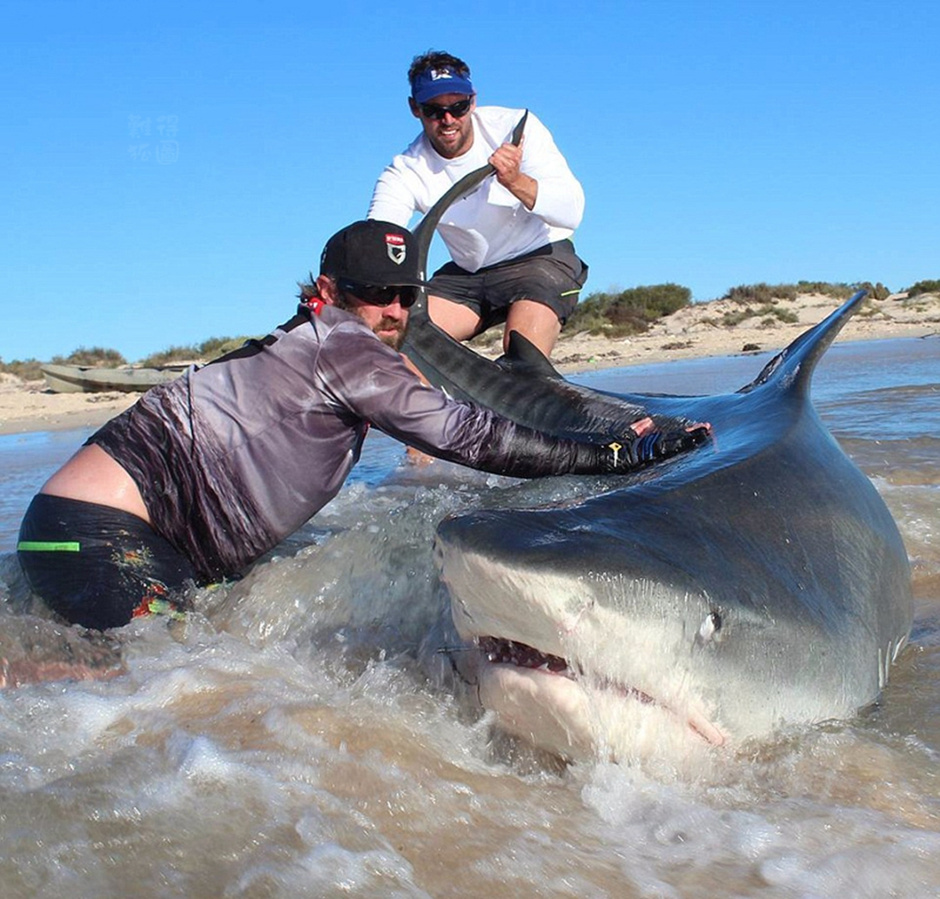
{"x":793,"y":367}
{"x":523,"y":354}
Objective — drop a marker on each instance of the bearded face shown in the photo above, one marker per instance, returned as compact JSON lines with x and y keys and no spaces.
{"x":388,"y":323}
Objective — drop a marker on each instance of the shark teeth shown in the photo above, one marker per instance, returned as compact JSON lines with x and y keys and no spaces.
{"x":509,"y":652}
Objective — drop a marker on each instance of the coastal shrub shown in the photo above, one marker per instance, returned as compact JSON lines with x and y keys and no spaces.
{"x":629,"y":311}
{"x":91,"y":357}
{"x":219,"y":346}
{"x":770,"y":293}
{"x":826,"y":288}
{"x":209,"y":349}
{"x":875,"y":291}
{"x":787,"y":316}
{"x":730,"y":319}
{"x":923,"y":287}
{"x":761,"y":293}
{"x":770,"y":313}
{"x":24,"y":369}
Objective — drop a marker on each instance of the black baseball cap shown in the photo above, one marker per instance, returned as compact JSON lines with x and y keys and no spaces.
{"x":373,"y":252}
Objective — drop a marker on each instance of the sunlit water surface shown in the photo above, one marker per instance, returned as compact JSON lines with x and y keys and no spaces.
{"x":285,"y":741}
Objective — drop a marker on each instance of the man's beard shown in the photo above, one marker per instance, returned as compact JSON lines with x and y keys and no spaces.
{"x":393,"y":340}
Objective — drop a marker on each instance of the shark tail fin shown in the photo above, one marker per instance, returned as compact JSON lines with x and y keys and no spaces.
{"x":793,"y":367}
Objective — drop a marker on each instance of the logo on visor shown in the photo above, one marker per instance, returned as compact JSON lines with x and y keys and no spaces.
{"x":438,"y":74}
{"x":396,"y":248}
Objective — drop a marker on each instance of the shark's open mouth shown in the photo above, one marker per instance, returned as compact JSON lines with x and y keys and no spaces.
{"x":498,"y":651}
{"x":508,"y":652}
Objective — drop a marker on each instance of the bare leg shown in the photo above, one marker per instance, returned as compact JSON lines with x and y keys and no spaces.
{"x":458,"y":320}
{"x":535,"y":321}
{"x":92,"y":476}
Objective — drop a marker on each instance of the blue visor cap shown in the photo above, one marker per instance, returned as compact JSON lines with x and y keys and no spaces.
{"x":432,"y":83}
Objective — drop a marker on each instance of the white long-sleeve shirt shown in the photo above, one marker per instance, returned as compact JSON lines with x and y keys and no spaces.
{"x":489,"y":225}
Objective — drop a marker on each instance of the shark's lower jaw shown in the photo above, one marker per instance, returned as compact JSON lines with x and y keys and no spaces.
{"x":539,"y":697}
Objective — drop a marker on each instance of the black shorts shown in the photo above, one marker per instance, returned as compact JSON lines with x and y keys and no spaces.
{"x":97,"y":566}
{"x":552,"y":275}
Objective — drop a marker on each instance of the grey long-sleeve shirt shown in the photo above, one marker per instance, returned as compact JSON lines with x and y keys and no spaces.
{"x":234,"y":456}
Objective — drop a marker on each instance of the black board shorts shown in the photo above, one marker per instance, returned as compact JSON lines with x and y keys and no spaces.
{"x":552,"y":275}
{"x":97,"y":566}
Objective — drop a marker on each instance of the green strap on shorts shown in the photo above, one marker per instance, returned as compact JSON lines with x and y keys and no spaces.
{"x":48,"y":546}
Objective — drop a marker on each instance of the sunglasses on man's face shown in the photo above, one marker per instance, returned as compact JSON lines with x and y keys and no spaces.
{"x":458,"y":110}
{"x":379,"y":296}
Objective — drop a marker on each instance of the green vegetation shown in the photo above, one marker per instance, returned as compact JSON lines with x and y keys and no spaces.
{"x":91,"y":357}
{"x":875,"y":291}
{"x":29,"y":369}
{"x":101,"y":357}
{"x":202,"y":352}
{"x":24,"y":369}
{"x":771,"y":293}
{"x":766,"y":294}
{"x":770,"y":314}
{"x":628,"y":312}
{"x":632,"y":311}
{"x":828,"y":289}
{"x":923,"y":287}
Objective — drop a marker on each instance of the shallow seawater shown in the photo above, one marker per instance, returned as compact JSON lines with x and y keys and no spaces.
{"x":285,"y":740}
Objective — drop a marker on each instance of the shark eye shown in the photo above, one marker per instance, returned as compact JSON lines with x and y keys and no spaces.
{"x":710,"y":627}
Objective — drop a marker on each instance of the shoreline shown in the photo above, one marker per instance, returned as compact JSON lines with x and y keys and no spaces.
{"x":695,"y":331}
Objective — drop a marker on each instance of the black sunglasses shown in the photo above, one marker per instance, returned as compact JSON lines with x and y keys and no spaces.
{"x":458,"y":110}
{"x":379,"y":296}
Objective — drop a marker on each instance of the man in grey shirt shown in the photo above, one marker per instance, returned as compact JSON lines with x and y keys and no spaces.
{"x":202,"y":476}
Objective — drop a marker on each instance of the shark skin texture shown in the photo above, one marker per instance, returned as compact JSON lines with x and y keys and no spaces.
{"x":756,"y":583}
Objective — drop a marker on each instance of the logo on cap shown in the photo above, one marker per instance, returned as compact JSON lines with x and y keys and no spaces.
{"x":437,"y":74}
{"x":395,"y":244}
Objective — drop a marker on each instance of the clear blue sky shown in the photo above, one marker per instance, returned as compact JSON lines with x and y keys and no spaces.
{"x":170,"y":170}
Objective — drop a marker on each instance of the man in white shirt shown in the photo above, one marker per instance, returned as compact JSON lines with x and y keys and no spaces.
{"x":510,"y":239}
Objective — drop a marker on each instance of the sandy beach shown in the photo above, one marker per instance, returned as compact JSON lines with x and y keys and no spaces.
{"x":693,"y":331}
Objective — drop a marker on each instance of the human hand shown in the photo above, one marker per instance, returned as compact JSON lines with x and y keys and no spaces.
{"x":642,"y":426}
{"x":653,"y":446}
{"x":507,"y":161}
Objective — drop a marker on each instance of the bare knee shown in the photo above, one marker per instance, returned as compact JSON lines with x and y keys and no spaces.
{"x":536,"y":322}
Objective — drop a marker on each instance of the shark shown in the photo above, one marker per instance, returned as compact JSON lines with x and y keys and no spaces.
{"x":754,"y":584}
